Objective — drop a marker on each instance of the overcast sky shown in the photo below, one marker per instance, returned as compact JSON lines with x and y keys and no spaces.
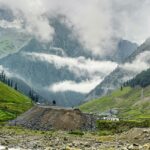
{"x":96,"y":22}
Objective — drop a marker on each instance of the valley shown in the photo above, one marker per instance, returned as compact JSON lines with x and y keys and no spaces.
{"x":53,"y":127}
{"x":74,"y":75}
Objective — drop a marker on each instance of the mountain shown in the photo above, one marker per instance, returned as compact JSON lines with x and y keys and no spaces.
{"x":134,"y":64}
{"x":142,"y":48}
{"x":40,"y":74}
{"x":126,"y":103}
{"x":11,"y":41}
{"x":65,"y":39}
{"x":124,"y":49}
{"x":38,"y":65}
{"x":12,"y":103}
{"x":142,"y":79}
{"x":6,"y":14}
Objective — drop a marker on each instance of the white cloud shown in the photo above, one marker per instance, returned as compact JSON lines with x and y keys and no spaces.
{"x":92,"y":71}
{"x":140,"y":63}
{"x":32,"y":12}
{"x":79,"y":66}
{"x":92,"y":23}
{"x":131,"y":18}
{"x":98,"y":23}
{"x":82,"y":87}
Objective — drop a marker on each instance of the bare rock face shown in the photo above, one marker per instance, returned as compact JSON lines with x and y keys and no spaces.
{"x":47,"y":118}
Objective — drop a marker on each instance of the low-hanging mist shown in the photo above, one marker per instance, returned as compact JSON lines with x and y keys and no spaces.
{"x":97,"y":24}
{"x":91,"y":70}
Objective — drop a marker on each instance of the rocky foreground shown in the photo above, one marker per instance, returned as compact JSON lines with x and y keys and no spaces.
{"x":17,"y":138}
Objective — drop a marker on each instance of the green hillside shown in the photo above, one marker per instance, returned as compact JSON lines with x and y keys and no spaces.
{"x":129,"y":103}
{"x":12,"y":103}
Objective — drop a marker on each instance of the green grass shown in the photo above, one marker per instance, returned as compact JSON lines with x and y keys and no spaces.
{"x":78,"y":132}
{"x":12,"y":103}
{"x":110,"y":127}
{"x":128,"y":102}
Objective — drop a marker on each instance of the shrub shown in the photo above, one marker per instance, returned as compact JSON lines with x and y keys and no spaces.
{"x":122,"y":125}
{"x":76,"y":132}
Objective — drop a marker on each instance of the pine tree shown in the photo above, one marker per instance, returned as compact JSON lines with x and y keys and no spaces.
{"x":36,"y":98}
{"x":121,"y":88}
{"x":11,"y":83}
{"x":54,"y":102}
{"x":16,"y":86}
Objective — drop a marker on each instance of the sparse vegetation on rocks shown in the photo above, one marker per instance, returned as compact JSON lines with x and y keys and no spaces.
{"x":25,"y":139}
